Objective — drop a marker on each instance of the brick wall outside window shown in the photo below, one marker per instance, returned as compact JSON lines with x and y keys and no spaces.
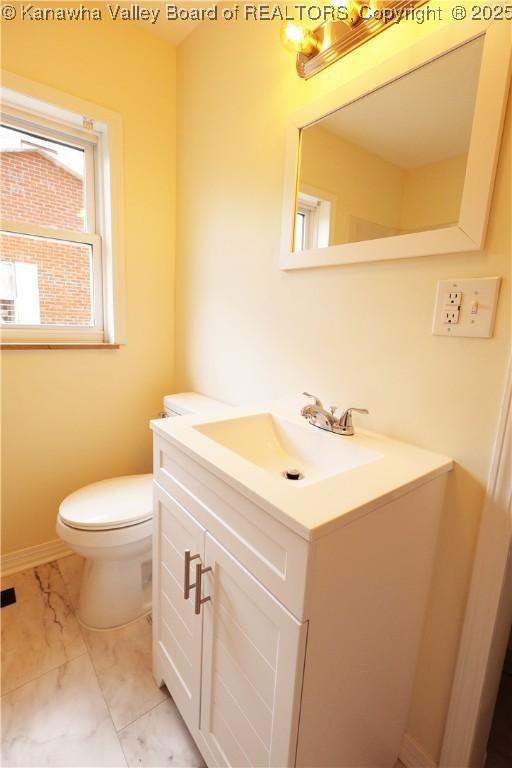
{"x":37,"y":189}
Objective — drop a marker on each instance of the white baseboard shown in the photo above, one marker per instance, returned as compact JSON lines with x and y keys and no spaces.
{"x":28,"y":558}
{"x":412,"y":754}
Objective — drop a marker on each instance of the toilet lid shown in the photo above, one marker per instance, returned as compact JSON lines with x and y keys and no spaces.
{"x":115,"y":503}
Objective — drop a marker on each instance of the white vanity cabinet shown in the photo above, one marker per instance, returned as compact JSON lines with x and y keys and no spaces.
{"x":178,"y":632}
{"x":304,"y":650}
{"x":253,"y":654}
{"x":234,"y":670}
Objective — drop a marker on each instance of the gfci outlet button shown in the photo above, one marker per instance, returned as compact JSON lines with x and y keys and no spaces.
{"x":466,"y":307}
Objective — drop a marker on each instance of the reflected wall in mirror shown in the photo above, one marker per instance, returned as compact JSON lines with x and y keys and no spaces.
{"x":392,"y":162}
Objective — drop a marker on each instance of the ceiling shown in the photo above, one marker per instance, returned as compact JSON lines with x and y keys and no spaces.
{"x":421,"y":118}
{"x":171,"y":31}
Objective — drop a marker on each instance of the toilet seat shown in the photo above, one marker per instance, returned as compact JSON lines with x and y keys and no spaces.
{"x":119,"y":502}
{"x":110,"y":541}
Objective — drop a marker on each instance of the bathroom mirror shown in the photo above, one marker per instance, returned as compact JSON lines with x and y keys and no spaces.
{"x":405,"y":166}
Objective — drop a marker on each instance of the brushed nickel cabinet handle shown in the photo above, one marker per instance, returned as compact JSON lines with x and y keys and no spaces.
{"x":198,"y":600}
{"x":187,"y":586}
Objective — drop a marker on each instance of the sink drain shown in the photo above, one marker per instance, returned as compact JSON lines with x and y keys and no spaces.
{"x":292,"y":474}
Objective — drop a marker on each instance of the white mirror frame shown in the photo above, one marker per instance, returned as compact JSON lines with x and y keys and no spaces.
{"x":491,"y":100}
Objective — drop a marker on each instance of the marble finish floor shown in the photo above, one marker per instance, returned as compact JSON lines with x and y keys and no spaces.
{"x":73,"y":697}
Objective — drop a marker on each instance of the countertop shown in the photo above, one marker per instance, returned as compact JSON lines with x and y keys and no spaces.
{"x":318,"y":508}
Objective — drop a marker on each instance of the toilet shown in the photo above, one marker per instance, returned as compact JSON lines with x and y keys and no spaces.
{"x":109,"y":523}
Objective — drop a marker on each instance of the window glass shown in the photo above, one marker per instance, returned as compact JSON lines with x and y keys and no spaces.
{"x":45,"y":282}
{"x":41,"y":181}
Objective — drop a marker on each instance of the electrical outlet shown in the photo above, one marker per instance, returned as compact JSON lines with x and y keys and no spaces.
{"x":466,"y":307}
{"x":454,"y":298}
{"x":451,"y":316}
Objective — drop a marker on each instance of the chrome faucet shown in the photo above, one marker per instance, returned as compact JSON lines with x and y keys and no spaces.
{"x":318,"y":416}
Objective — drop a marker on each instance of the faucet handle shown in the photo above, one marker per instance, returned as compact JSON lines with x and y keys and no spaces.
{"x":315,"y":398}
{"x":346,"y":420}
{"x":332,"y":409}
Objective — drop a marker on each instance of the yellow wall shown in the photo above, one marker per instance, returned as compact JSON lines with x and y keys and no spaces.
{"x":73,"y":417}
{"x":365,"y":185}
{"x":355,"y":335}
{"x":432,"y":194}
{"x":373,"y":189}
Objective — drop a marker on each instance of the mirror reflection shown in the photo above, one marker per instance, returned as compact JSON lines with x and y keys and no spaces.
{"x":394,"y":161}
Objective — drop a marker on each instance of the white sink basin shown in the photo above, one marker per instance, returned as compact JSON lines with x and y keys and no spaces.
{"x":249,"y":448}
{"x":277,"y":444}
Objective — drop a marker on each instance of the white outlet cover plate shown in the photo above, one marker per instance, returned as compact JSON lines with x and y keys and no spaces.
{"x":484,"y":291}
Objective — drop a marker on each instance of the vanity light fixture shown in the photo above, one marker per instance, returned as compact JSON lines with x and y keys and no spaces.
{"x":337,"y":27}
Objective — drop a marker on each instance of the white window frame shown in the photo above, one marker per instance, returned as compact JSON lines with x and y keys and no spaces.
{"x":55,"y":115}
{"x":310,"y":213}
{"x":319,"y":210}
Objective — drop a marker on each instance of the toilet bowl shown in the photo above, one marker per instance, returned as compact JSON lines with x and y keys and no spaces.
{"x":110,"y":524}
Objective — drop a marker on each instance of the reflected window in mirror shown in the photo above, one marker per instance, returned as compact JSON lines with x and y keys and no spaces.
{"x":313,"y":219}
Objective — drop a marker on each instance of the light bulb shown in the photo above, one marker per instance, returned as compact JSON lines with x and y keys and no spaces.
{"x":297,"y":38}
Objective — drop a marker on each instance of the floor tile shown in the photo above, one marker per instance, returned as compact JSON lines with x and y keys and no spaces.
{"x":71,"y":568}
{"x":122,"y":659}
{"x":160,"y":738}
{"x":39,"y":631}
{"x":59,"y":719}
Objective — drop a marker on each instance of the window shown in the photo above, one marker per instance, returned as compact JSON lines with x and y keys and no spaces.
{"x":49,"y":239}
{"x":59,"y":246}
{"x":312,"y":221}
{"x":19,"y":293}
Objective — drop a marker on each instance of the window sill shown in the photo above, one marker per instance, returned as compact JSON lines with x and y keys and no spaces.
{"x":52,"y":345}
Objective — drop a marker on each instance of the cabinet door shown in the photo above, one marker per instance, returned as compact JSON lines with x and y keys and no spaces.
{"x":253,"y":657}
{"x":177,"y":630}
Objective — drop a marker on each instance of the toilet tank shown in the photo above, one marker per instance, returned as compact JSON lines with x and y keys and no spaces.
{"x":183,"y":403}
